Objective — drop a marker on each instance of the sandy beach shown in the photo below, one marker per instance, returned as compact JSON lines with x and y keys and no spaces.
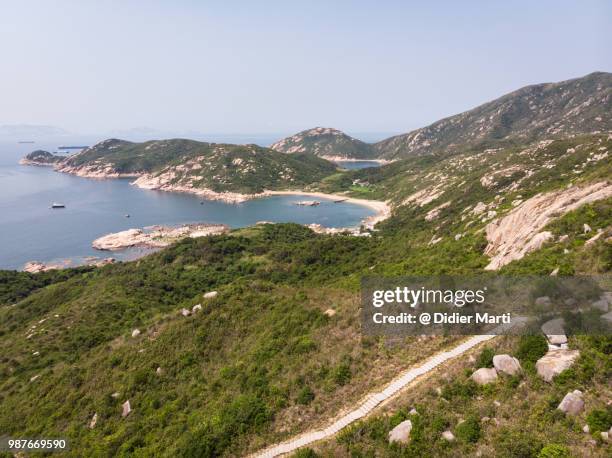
{"x":383,"y":210}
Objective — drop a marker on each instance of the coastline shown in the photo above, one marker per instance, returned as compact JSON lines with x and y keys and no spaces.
{"x":147,"y":181}
{"x":383,"y":210}
{"x":351,"y":159}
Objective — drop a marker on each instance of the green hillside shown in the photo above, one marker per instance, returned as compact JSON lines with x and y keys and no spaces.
{"x":199,"y":165}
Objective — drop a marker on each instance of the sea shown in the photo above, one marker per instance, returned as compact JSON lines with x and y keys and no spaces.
{"x":30,"y":230}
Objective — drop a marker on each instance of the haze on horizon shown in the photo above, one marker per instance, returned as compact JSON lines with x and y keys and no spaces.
{"x":237,"y":67}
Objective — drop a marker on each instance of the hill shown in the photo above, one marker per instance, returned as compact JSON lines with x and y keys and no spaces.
{"x":325,"y":142}
{"x":40,"y":157}
{"x":537,"y":112}
{"x":279,"y":349}
{"x":199,"y":167}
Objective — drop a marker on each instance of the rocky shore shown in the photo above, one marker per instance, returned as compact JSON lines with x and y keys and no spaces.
{"x":156,"y":236}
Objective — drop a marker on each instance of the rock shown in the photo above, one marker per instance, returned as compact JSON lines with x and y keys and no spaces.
{"x":439,"y":391}
{"x":572,"y":403}
{"x":485,"y":419}
{"x":210,"y":295}
{"x":413,"y":411}
{"x":34,"y":378}
{"x":555,"y":272}
{"x":607,"y":317}
{"x":497,"y":403}
{"x":401,"y":433}
{"x":506,"y":364}
{"x":158,"y":237}
{"x":448,"y":435}
{"x":605,"y":436}
{"x":519,"y":231}
{"x":159,"y":371}
{"x":484,"y":376}
{"x":126,"y":408}
{"x":94,"y":420}
{"x":196,"y":308}
{"x":563,"y":238}
{"x":330,"y":312}
{"x":586,"y":228}
{"x":554,"y":330}
{"x":115,"y":395}
{"x":543,"y":300}
{"x":185,"y":312}
{"x":554,"y":362}
{"x":479,"y":208}
{"x":586,"y":429}
{"x":135,"y":332}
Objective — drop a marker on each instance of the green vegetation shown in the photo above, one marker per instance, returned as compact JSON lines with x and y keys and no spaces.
{"x":505,"y":419}
{"x":262,"y":361}
{"x":200,"y":165}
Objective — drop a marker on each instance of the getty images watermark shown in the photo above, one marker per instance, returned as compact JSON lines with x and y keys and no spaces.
{"x":454,"y":305}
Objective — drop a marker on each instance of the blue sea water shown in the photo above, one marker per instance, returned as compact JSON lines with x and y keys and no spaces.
{"x":30,"y":230}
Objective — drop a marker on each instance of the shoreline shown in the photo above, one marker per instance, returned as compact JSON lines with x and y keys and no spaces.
{"x":383,"y":210}
{"x":352,"y":159}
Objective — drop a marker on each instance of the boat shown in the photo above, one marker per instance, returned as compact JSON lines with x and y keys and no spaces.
{"x":308,"y":203}
{"x":72,"y":147}
{"x":25,"y":141}
{"x":57,"y":205}
{"x":127,"y":215}
{"x":340,"y":200}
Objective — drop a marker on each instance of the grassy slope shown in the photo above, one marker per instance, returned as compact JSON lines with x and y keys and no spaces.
{"x":235,"y":378}
{"x":515,"y":417}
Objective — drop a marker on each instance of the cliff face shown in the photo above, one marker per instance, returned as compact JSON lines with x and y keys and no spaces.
{"x":325,"y":142}
{"x":577,"y":106}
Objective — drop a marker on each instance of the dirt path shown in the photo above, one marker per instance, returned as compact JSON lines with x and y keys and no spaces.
{"x":371,"y":401}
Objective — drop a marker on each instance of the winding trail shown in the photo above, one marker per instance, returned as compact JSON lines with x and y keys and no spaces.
{"x":372,"y":400}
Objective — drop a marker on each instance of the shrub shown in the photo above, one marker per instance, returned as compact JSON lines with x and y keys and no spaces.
{"x":305,"y":396}
{"x":469,"y":430}
{"x":516,"y":444}
{"x":305,"y":453}
{"x":599,"y":420}
{"x":459,"y":389}
{"x":554,"y":451}
{"x":485,"y":358}
{"x":342,"y":373}
{"x":531,"y":348}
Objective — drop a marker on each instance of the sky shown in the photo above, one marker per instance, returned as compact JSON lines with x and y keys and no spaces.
{"x":283,"y":66}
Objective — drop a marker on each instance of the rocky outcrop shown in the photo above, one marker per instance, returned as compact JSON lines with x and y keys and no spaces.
{"x":156,"y":237}
{"x":506,"y":364}
{"x":572,"y":403}
{"x":554,"y":362}
{"x":401,"y":433}
{"x":520,"y":231}
{"x":484,"y":376}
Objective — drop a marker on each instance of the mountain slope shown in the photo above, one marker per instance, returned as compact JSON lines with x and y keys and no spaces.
{"x":192,"y":166}
{"x":577,"y":106}
{"x":325,"y":142}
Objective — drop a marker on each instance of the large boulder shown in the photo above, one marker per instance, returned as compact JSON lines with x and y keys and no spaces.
{"x":484,"y":375}
{"x":401,"y":433}
{"x":554,"y":362}
{"x":555,"y":332}
{"x":210,"y":295}
{"x":135,"y":332}
{"x":572,"y":403}
{"x":506,"y":364}
{"x":448,"y":435}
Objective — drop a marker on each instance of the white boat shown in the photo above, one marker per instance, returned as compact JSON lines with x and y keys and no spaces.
{"x":57,"y":205}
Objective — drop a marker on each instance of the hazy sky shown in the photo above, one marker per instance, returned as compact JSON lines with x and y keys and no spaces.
{"x":268,"y":66}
